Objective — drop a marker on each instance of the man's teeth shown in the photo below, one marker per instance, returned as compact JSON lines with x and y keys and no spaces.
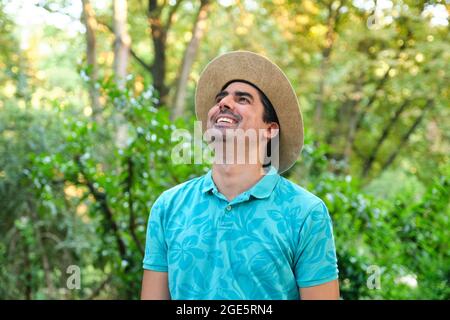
{"x":228,"y":120}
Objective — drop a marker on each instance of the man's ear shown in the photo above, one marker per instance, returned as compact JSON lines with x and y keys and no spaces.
{"x":272,"y":130}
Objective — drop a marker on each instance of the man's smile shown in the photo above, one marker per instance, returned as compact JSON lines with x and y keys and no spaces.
{"x":225,"y":120}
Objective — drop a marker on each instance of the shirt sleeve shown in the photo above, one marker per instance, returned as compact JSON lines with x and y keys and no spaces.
{"x":155,"y":246}
{"x":315,"y":257}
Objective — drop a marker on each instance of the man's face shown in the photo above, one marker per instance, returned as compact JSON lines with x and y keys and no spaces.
{"x":238,"y":106}
{"x":237,"y":119}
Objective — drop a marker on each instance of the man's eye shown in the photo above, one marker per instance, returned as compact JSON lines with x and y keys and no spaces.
{"x":243,"y":100}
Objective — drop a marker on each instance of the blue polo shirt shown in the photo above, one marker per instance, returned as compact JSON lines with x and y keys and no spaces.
{"x":266,"y":243}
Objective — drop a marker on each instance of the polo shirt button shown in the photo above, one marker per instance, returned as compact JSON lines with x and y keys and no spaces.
{"x":228,"y":208}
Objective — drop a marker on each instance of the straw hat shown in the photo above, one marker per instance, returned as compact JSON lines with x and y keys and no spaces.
{"x":270,"y":79}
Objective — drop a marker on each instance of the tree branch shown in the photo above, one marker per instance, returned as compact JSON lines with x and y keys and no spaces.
{"x":128,"y":189}
{"x":379,"y":86}
{"x":101,"y":198}
{"x":172,"y":11}
{"x":429,"y":104}
{"x":99,"y":288}
{"x":189,"y":54}
{"x":387,"y":129}
{"x":144,"y":64}
{"x":372,"y":98}
{"x":140,"y":61}
{"x":332,"y":28}
{"x":44,"y":257}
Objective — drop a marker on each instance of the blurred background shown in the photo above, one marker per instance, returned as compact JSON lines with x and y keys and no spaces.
{"x":91,"y":90}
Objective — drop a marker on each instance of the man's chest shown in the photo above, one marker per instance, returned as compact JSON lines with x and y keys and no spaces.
{"x":220,"y":234}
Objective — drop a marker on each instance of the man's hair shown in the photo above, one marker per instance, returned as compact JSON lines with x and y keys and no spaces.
{"x":269,"y":114}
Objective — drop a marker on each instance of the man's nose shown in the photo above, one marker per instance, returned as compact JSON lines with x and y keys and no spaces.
{"x":226,"y":102}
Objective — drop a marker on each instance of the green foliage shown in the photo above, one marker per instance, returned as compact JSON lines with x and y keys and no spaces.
{"x":76,"y":188}
{"x":114,"y":186}
{"x":91,"y":203}
{"x":406,"y":238}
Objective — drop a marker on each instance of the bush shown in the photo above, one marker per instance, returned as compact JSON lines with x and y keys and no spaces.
{"x":74,"y":196}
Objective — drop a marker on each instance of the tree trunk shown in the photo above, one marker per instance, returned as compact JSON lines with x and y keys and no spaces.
{"x":122,"y":41}
{"x":129,"y":190}
{"x":159,"y":36}
{"x":91,"y":54}
{"x":122,"y":44}
{"x":198,"y":31}
{"x":332,"y":23}
{"x":159,"y":31}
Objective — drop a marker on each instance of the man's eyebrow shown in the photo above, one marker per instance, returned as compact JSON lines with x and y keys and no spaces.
{"x":244,"y":94}
{"x":237,"y":93}
{"x":221,"y":93}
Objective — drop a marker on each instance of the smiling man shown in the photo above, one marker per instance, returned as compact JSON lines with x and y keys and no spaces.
{"x":242,"y":231}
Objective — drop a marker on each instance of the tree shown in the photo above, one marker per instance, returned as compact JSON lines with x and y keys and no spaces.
{"x":70,"y":195}
{"x":122,"y":42}
{"x":374,"y":68}
{"x":91,"y":54}
{"x":190,"y":52}
{"x":122,"y":45}
{"x":159,"y":30}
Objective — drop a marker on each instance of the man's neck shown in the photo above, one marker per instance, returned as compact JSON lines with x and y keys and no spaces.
{"x":233,"y":179}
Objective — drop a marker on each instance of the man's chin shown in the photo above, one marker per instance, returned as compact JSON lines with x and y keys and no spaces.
{"x":228,"y":126}
{"x":224,"y":130}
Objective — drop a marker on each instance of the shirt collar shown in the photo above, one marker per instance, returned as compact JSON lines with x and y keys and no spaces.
{"x":262,"y":189}
{"x":208,"y":183}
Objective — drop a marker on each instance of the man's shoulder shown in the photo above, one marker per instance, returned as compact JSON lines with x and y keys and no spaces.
{"x":298,"y":195}
{"x":184,"y":188}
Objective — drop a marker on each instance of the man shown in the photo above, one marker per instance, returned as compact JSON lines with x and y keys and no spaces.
{"x":242,"y":231}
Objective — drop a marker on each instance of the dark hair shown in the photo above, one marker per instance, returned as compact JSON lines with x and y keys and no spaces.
{"x":269,"y":114}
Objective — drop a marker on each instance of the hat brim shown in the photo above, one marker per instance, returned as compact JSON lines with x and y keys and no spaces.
{"x":269,"y":78}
